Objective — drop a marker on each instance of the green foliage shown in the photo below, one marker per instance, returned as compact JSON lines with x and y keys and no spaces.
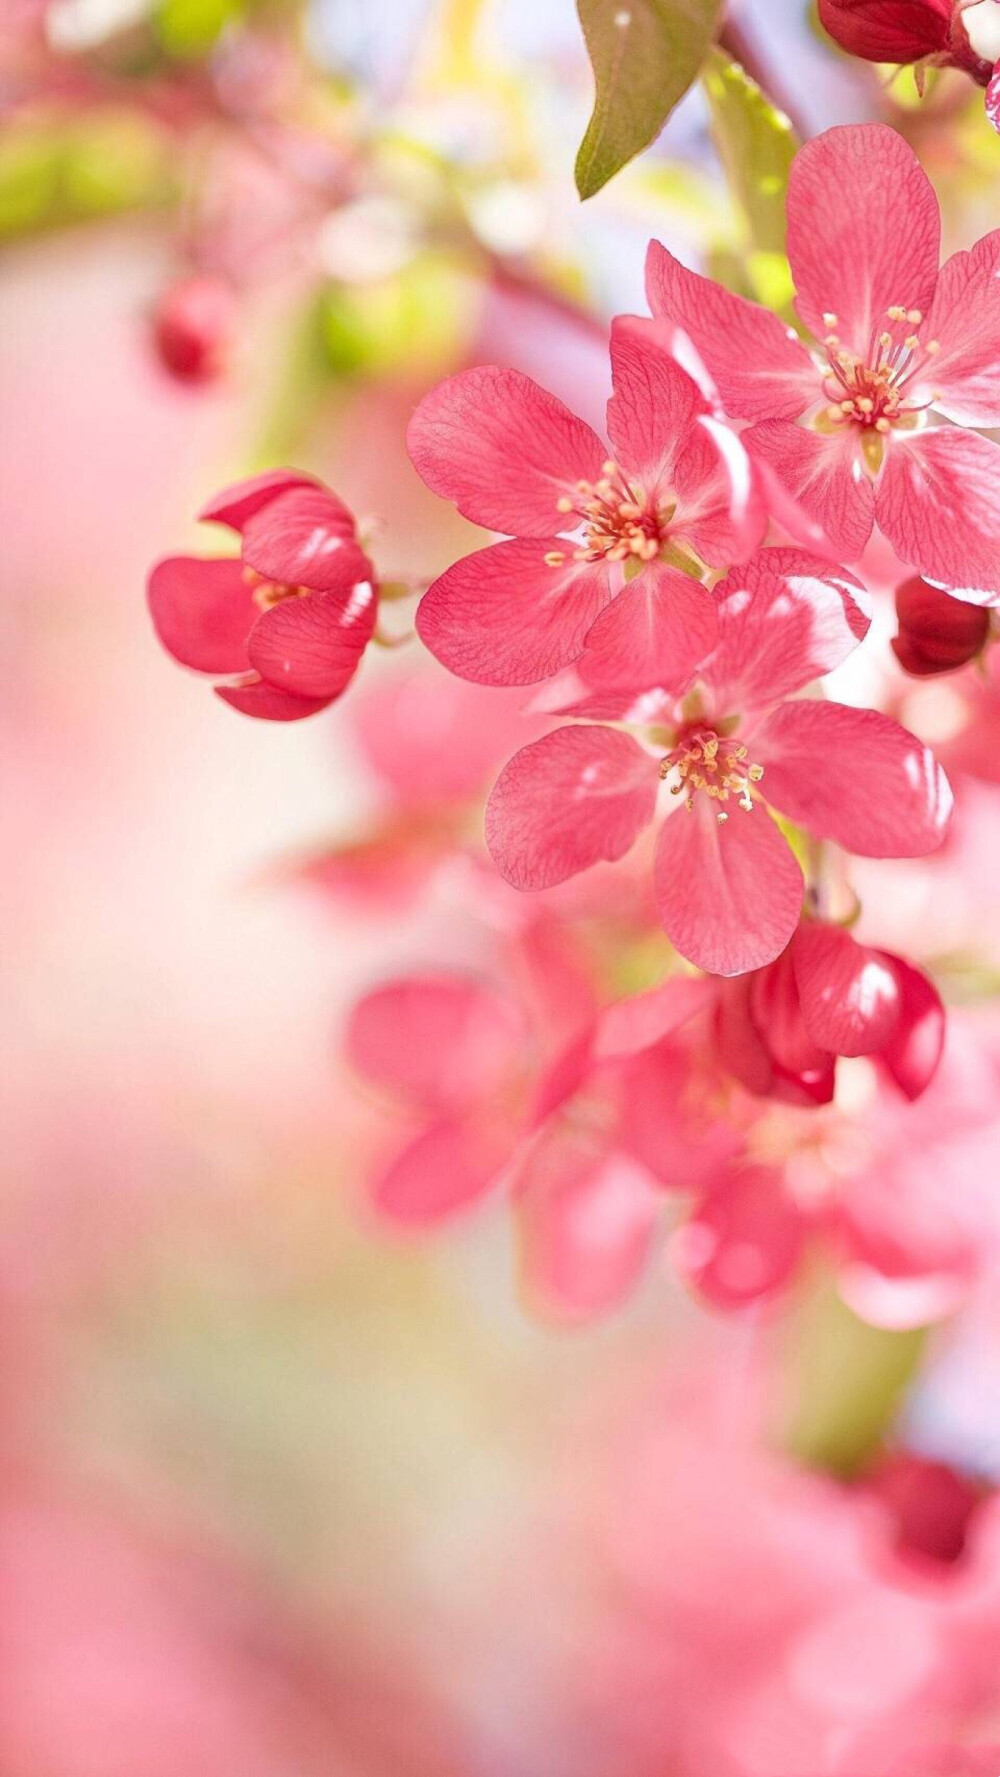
{"x":756,"y":145}
{"x":54,"y":173}
{"x":188,"y":29}
{"x":645,"y":55}
{"x":849,"y":1382}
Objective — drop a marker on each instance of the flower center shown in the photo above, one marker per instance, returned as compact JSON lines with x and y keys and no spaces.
{"x":721,"y":768}
{"x":619,"y":521}
{"x":267,"y":593}
{"x":871,"y":392}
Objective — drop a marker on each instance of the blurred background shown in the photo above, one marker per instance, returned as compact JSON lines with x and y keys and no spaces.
{"x":281,"y":1496}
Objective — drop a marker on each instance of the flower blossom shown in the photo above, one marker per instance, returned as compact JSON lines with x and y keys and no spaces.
{"x":728,"y":887}
{"x":842,"y":425}
{"x":939,"y":33}
{"x":287,"y":620}
{"x":676,"y":486}
{"x":781,"y":1029}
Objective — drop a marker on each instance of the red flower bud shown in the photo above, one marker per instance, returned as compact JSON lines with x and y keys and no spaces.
{"x":889,"y":30}
{"x":937,"y":633}
{"x":192,"y":327}
{"x":930,"y":1504}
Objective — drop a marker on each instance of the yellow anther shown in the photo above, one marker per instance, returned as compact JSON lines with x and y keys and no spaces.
{"x":932,"y":346}
{"x":911,"y":342}
{"x":829,"y":319}
{"x":564,"y":503}
{"x":866,"y":404}
{"x":897,"y":312}
{"x":914,"y":316}
{"x":883,"y":425}
{"x":554,"y":558}
{"x":608,"y":467}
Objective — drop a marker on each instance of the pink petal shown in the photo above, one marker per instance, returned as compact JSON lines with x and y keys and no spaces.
{"x":656,"y":632}
{"x":992,"y":97}
{"x":849,"y":995}
{"x":964,"y":375}
{"x":759,"y":365}
{"x":654,"y":404}
{"x":744,"y":1242}
{"x":938,"y":502}
{"x":728,"y":896}
{"x":864,"y":232}
{"x":441,"y":1040}
{"x":504,"y":616}
{"x":854,"y":776}
{"x":631,"y":1025}
{"x":739,"y":1041}
{"x":914,"y":1049}
{"x":202,"y":611}
{"x":305,"y":538}
{"x":777,"y":1012}
{"x":503,"y":449}
{"x":721,"y":508}
{"x":567,"y":801}
{"x":585,"y":1225}
{"x":269,"y":705}
{"x":822,"y":473}
{"x":667,"y":1122}
{"x":312,"y":646}
{"x":432,"y":738}
{"x":443,"y":1172}
{"x":243,"y":499}
{"x":785,"y":618}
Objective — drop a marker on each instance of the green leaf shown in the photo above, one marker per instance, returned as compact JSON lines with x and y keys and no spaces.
{"x":756,"y":145}
{"x":847,"y":1384}
{"x":645,"y":54}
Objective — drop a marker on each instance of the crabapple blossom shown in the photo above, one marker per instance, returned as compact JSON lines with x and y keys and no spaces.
{"x":287,"y":620}
{"x":841,"y":424}
{"x":728,"y":886}
{"x":675,"y":491}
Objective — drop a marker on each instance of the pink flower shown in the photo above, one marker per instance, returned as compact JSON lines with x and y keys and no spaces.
{"x":514,"y":459}
{"x":288,"y":619}
{"x":943,"y":33}
{"x":728,"y":887}
{"x":842,"y":425}
{"x":781,"y":1029}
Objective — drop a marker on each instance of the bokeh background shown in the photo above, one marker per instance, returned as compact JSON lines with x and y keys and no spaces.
{"x":282,"y":1497}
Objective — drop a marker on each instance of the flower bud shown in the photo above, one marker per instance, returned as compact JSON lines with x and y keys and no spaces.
{"x":888,"y":30}
{"x":193,"y":326}
{"x":937,"y":633}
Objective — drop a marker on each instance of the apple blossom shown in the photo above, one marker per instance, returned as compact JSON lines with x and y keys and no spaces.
{"x":287,"y":620}
{"x":842,"y":423}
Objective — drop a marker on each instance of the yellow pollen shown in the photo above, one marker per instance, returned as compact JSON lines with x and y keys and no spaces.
{"x":554,"y":558}
{"x":914,"y":316}
{"x":911,"y":342}
{"x":700,"y":764}
{"x":932,"y":346}
{"x":271,"y":592}
{"x":619,"y":524}
{"x":564,"y":503}
{"x":883,"y":425}
{"x":897,"y":312}
{"x":830,"y":320}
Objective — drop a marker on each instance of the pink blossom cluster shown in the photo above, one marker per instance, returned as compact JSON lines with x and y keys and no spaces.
{"x":661,"y":611}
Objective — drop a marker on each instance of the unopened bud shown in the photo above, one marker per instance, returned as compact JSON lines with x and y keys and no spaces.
{"x":193,"y":327}
{"x":937,"y":633}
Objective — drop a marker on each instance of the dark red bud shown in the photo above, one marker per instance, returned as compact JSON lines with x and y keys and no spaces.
{"x":889,"y":30}
{"x":931,"y":1505}
{"x":193,"y":326}
{"x":937,"y":633}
